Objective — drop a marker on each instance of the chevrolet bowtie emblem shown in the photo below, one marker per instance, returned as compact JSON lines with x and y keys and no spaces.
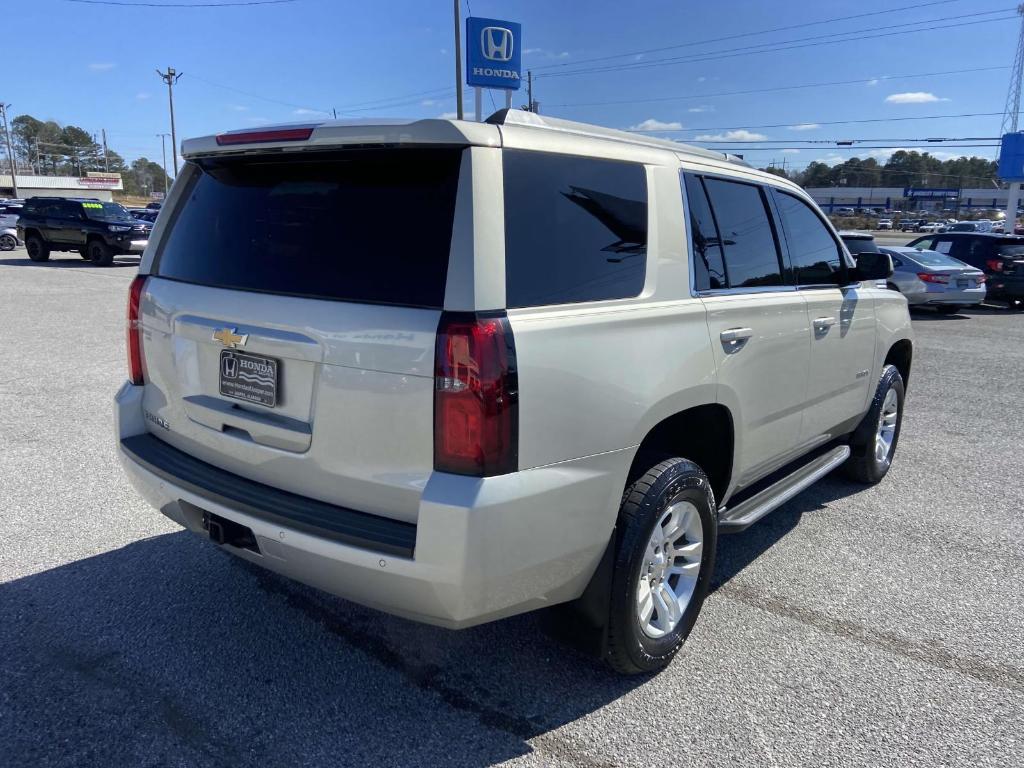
{"x":229,"y":338}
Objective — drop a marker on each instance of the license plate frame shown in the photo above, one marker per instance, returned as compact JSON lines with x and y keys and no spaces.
{"x":249,"y":378}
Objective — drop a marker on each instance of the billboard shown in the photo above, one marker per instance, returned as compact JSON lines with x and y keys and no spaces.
{"x":1011,"y":157}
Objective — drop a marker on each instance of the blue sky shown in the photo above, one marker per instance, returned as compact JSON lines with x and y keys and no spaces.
{"x":93,"y":65}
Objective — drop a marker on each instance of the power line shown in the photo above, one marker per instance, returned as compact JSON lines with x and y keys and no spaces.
{"x":257,"y":95}
{"x":778,"y":88}
{"x":784,"y":45}
{"x":837,"y":142}
{"x":815,"y":123}
{"x":229,"y":4}
{"x":742,"y":35}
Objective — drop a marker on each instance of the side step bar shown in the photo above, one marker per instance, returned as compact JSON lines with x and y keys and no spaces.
{"x":748,"y":512}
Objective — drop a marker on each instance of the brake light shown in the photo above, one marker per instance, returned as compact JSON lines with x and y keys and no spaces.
{"x":476,"y":396}
{"x":928,"y":277}
{"x":301,"y":133}
{"x":980,"y":279}
{"x":996,"y":265}
{"x":133,"y":333}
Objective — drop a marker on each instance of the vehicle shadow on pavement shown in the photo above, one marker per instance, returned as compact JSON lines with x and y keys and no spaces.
{"x":167,"y":651}
{"x":737,"y":551}
{"x":70,"y":263}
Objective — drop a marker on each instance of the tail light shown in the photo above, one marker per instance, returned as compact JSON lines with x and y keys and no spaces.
{"x":980,"y":279}
{"x":134,"y":335}
{"x":996,"y":265}
{"x":476,"y":396}
{"x":929,"y":277}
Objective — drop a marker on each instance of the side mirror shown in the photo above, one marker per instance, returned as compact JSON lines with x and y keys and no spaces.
{"x":873,"y":266}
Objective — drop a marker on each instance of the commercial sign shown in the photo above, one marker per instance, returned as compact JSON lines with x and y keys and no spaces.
{"x":100,"y":181}
{"x":493,"y":53}
{"x":1011,"y":157}
{"x":911,"y":192}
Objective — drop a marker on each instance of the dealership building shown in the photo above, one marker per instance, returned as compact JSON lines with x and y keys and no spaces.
{"x":101,"y":186}
{"x":909,"y":198}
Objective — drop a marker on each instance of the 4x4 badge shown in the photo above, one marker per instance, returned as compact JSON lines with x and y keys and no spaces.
{"x":229,"y":338}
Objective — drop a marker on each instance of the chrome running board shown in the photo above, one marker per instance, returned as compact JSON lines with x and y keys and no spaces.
{"x":748,"y":512}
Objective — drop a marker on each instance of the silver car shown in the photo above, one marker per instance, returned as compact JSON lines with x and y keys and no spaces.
{"x":935,"y":279}
{"x":9,"y":239}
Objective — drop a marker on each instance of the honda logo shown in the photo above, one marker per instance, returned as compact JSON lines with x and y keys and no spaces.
{"x":229,"y":366}
{"x":496,"y":43}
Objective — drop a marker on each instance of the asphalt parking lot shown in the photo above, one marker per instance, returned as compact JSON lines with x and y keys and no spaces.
{"x":880,"y":626}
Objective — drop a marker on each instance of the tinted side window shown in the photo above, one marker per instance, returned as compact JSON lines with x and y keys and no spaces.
{"x":751,"y":256}
{"x":814,"y":255}
{"x":708,"y":264}
{"x":575,"y":228}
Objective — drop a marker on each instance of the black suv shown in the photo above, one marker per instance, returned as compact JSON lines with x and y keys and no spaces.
{"x":1000,"y":257}
{"x":98,"y":231}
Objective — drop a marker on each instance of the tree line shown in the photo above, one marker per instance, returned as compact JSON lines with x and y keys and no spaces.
{"x":44,"y":147}
{"x":903,"y":169}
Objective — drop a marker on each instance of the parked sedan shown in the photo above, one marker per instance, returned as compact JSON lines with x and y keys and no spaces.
{"x":930,"y":278}
{"x":885,"y":223}
{"x":9,"y":239}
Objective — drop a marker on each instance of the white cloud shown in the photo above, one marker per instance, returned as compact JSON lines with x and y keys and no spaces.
{"x":913,"y":97}
{"x":258,"y":120}
{"x":142,"y":95}
{"x":444,"y":51}
{"x":304,"y":111}
{"x":650,"y":124}
{"x":448,"y":116}
{"x":804,"y":127}
{"x":103,"y":66}
{"x":873,"y":81}
{"x":701,"y":108}
{"x":238,"y":108}
{"x":701,"y":79}
{"x":429,"y":103}
{"x":791,"y":151}
{"x":740,"y":135}
{"x":545,"y":53}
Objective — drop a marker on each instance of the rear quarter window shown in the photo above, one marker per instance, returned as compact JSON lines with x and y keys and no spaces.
{"x":370,"y":226}
{"x":575,"y":228}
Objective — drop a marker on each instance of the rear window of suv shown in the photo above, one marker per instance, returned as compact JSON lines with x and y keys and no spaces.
{"x":575,"y":228}
{"x":369,"y":226}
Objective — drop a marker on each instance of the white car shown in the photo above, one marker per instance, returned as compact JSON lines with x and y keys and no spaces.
{"x":885,"y":224}
{"x":456,"y":371}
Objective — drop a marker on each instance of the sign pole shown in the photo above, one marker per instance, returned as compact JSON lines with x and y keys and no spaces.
{"x":508,"y":99}
{"x":458,"y":63}
{"x":478,"y":98}
{"x":1012,"y":198}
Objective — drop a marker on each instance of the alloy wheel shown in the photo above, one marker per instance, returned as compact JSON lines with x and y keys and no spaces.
{"x":670,"y":569}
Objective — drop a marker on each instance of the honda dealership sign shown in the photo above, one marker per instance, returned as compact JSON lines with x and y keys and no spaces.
{"x":493,"y":53}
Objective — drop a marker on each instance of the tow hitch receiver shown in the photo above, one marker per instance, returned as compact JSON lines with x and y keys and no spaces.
{"x":223,"y":531}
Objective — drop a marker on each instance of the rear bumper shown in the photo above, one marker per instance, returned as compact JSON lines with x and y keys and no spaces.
{"x":482,"y":548}
{"x":1005,"y":287}
{"x":939,"y":294}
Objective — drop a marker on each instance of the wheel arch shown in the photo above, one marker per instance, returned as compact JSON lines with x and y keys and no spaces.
{"x":901,"y":354}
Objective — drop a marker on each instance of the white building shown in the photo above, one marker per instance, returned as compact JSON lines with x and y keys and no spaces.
{"x":99,"y":185}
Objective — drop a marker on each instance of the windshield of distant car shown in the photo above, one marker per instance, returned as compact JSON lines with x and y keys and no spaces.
{"x":107,"y":212}
{"x":935,"y":259}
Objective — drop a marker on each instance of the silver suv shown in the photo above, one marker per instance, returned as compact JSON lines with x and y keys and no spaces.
{"x":457,"y":371}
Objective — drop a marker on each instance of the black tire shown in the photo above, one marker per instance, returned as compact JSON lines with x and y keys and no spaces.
{"x":37,"y":248}
{"x":8,"y":243}
{"x":100,"y":253}
{"x":864,"y":465}
{"x":947,"y":309}
{"x":629,"y":650}
{"x":84,"y":253}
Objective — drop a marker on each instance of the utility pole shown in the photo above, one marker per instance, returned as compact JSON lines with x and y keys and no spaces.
{"x":10,"y":149}
{"x":171,"y":77}
{"x":106,"y":160}
{"x":458,"y":62}
{"x":163,"y":151}
{"x":529,"y":90}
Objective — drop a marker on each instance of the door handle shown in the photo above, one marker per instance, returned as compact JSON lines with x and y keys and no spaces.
{"x":823,"y":323}
{"x":733,"y":335}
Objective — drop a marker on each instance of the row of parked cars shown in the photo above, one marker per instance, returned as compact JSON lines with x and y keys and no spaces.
{"x":953,"y":270}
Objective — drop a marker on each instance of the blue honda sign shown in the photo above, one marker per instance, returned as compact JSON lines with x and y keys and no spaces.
{"x":1011,"y":157}
{"x":493,"y":53}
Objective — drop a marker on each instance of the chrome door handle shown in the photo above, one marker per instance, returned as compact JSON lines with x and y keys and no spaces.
{"x":732,"y":335}
{"x":823,"y":323}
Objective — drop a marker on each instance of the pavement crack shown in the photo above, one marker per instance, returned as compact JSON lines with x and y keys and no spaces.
{"x":890,"y":642}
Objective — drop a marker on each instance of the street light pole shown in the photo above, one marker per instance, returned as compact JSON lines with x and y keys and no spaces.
{"x":458,"y":62}
{"x":10,"y":149}
{"x":171,"y":77}
{"x":163,"y":151}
